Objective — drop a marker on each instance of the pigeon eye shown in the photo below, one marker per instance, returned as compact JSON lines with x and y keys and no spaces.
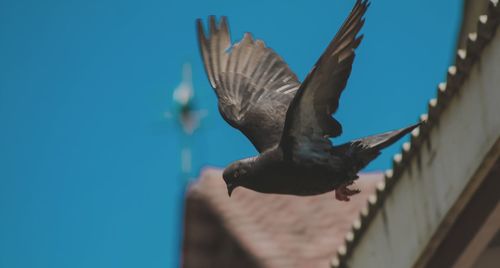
{"x":236,"y":174}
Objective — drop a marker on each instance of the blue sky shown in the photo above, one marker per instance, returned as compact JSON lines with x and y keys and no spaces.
{"x":89,"y":166}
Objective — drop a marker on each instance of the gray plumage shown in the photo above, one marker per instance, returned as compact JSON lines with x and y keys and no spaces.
{"x":253,"y":84}
{"x":290,"y":123}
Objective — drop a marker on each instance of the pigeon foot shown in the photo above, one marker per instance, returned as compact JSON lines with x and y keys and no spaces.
{"x":342,"y":193}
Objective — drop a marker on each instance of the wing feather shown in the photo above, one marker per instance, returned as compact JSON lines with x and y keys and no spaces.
{"x":309,"y":122}
{"x":253,"y":84}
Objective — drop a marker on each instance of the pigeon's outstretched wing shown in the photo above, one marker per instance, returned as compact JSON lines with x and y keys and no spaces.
{"x":309,"y":121}
{"x":254,"y":86}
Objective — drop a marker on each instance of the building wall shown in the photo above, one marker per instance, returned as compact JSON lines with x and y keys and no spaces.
{"x":472,"y":9}
{"x":443,"y":169}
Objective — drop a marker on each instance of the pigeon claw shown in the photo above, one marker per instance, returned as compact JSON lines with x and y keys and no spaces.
{"x":342,"y":193}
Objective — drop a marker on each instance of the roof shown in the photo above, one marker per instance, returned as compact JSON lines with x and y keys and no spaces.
{"x":283,"y":230}
{"x":466,"y":57}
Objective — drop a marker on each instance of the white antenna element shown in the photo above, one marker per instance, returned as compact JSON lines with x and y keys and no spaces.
{"x":188,"y":118}
{"x":183,"y":96}
{"x":184,"y":93}
{"x":186,"y":160}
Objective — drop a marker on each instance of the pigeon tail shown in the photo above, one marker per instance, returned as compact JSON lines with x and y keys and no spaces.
{"x":363,"y":151}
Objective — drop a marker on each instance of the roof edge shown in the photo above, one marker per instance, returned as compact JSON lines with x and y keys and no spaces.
{"x":456,"y":74}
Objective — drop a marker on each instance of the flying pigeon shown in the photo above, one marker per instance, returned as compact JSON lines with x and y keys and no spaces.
{"x":290,"y":123}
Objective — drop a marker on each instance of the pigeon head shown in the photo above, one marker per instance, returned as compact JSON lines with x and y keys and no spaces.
{"x":237,"y":174}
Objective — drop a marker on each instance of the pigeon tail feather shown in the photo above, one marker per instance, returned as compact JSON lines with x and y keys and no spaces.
{"x":363,"y":151}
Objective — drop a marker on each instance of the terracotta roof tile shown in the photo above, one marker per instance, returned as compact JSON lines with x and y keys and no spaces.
{"x":283,"y":230}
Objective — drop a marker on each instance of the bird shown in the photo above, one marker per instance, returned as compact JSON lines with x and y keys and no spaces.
{"x":289,"y":122}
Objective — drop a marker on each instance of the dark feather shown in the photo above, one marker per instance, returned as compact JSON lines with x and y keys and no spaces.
{"x":363,"y":151}
{"x":253,"y":84}
{"x":259,"y":95}
{"x":309,"y":120}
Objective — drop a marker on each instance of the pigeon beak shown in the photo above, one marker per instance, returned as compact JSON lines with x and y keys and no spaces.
{"x":230,"y":188}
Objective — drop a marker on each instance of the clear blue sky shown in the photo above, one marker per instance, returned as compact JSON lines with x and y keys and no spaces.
{"x":89,"y":171}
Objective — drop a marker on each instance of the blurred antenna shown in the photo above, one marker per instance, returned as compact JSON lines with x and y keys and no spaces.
{"x":188,"y":118}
